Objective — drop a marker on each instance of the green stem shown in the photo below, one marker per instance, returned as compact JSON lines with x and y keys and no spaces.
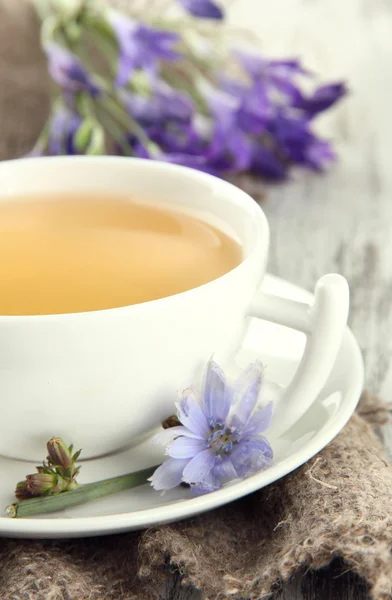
{"x":112,"y":128}
{"x":43,"y":8}
{"x":108,"y":50}
{"x":82,"y":494}
{"x":130,"y":124}
{"x":121,"y":118}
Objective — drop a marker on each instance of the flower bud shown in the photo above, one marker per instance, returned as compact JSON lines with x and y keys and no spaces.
{"x":59,"y":454}
{"x":172,"y":421}
{"x":44,"y":484}
{"x":21,"y":491}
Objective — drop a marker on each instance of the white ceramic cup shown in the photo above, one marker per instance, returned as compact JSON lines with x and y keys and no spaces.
{"x":101,"y":379}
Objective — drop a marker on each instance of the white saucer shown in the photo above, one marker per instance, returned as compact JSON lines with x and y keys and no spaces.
{"x":280,"y":350}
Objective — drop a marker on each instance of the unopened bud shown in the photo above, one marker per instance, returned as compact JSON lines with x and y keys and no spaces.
{"x":59,"y":454}
{"x":172,"y":421}
{"x":44,"y":484}
{"x":21,"y":491}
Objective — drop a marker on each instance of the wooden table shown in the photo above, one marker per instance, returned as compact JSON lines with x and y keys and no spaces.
{"x":341,"y":221}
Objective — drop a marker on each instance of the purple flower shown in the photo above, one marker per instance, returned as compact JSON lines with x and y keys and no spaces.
{"x":68,"y":71}
{"x":266,"y":163}
{"x":255,"y":109}
{"x":178,"y":137}
{"x":164,"y":104}
{"x":140,"y":47}
{"x":296,"y":143}
{"x":319,"y":154}
{"x":249,"y":105}
{"x":230,"y":148}
{"x":322,"y":99}
{"x":257,"y":66}
{"x":221,"y":434}
{"x":278,"y":76}
{"x":290,"y":133}
{"x":206,"y":9}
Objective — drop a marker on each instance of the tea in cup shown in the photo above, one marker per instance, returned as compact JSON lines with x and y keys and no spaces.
{"x":120,"y":278}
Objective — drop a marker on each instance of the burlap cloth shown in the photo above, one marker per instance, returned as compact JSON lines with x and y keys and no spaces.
{"x":339,"y":504}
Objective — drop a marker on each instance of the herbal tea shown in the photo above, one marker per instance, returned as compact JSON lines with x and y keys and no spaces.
{"x":66,"y":254}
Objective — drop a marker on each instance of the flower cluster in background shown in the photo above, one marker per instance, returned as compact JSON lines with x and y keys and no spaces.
{"x":176,"y":88}
{"x":219,"y":436}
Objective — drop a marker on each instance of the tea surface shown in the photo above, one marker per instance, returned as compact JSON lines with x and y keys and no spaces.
{"x":63,"y":254}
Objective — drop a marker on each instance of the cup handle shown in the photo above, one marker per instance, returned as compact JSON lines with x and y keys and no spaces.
{"x":324,"y":323}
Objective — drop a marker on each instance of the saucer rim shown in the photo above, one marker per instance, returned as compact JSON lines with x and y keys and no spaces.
{"x":69,"y":527}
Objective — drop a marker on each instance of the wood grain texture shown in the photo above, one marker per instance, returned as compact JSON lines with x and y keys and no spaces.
{"x":341,"y":221}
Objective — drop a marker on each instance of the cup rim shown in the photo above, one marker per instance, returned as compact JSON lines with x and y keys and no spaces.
{"x":253,"y":209}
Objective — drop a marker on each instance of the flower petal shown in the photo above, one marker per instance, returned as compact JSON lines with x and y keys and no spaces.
{"x":185,"y":447}
{"x":252,"y":63}
{"x":140,"y":46}
{"x":205,"y":9}
{"x":255,"y":109}
{"x":191,"y":415}
{"x":166,"y":436}
{"x":259,"y":421}
{"x":246,"y":391}
{"x":266,"y":163}
{"x":169,"y":474}
{"x":67,"y":70}
{"x":318,"y":154}
{"x":216,"y":393}
{"x":324,"y":97}
{"x":224,"y":468}
{"x":209,"y":484}
{"x":199,"y":467}
{"x":250,"y":456}
{"x":241,"y":148}
{"x":287,"y":67}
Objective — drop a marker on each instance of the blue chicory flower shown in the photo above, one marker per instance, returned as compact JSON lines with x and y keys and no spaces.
{"x":140,"y":47}
{"x":220,"y":436}
{"x":68,"y":71}
{"x":205,"y":9}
